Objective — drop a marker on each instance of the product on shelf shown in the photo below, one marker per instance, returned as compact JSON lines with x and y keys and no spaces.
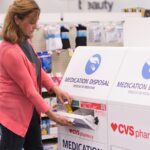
{"x":45,"y":60}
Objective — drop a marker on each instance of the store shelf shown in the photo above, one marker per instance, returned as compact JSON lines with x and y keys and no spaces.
{"x":49,"y":136}
{"x":48,"y":127}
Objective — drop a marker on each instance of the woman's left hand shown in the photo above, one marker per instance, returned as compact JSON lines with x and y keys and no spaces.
{"x":61,"y":95}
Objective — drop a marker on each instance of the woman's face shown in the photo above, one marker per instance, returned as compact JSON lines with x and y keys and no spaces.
{"x":28,"y":24}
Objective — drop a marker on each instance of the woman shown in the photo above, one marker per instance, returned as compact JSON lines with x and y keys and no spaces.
{"x":21,"y":78}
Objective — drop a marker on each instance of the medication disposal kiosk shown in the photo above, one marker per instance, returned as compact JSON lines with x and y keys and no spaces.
{"x":89,"y":78}
{"x":129,"y":103}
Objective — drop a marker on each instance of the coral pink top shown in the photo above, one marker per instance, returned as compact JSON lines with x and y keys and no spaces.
{"x":19,"y":92}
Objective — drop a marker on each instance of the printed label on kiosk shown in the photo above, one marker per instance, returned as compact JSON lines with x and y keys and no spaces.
{"x":129,"y":103}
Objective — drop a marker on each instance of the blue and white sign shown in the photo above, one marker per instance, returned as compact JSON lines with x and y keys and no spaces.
{"x":91,"y":71}
{"x":133,"y":82}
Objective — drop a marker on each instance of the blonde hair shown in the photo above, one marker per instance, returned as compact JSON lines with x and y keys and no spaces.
{"x":21,"y":9}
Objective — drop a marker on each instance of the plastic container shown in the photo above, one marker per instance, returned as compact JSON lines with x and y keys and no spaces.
{"x":68,"y":107}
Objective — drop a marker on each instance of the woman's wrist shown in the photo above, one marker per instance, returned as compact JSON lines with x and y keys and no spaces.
{"x":51,"y":115}
{"x":54,"y":88}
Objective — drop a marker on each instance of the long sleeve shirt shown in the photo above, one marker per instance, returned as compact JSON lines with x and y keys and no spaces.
{"x":19,"y":90}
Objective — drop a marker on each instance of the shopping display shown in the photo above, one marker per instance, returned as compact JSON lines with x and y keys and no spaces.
{"x":89,"y":87}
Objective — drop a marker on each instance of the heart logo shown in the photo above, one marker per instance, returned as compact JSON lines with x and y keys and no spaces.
{"x":114,"y":126}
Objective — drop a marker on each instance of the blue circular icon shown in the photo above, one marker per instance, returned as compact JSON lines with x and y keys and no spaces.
{"x":93,"y":64}
{"x":146,"y":70}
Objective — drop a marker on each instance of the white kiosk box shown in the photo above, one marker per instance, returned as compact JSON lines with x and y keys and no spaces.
{"x":129,"y":103}
{"x":89,"y":78}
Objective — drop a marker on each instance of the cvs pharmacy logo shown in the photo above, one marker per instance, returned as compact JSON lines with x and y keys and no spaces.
{"x":81,"y":134}
{"x":123,"y":129}
{"x":73,"y":131}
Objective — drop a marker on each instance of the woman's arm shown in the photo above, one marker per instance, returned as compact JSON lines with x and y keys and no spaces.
{"x":58,"y":119}
{"x":49,"y":84}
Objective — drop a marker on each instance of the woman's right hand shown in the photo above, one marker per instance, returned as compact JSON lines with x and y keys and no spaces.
{"x":61,"y":120}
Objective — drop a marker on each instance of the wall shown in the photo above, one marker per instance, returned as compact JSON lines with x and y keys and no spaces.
{"x":82,"y":5}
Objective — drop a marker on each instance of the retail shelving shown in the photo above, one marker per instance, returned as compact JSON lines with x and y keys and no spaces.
{"x":48,"y":127}
{"x":49,"y":136}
